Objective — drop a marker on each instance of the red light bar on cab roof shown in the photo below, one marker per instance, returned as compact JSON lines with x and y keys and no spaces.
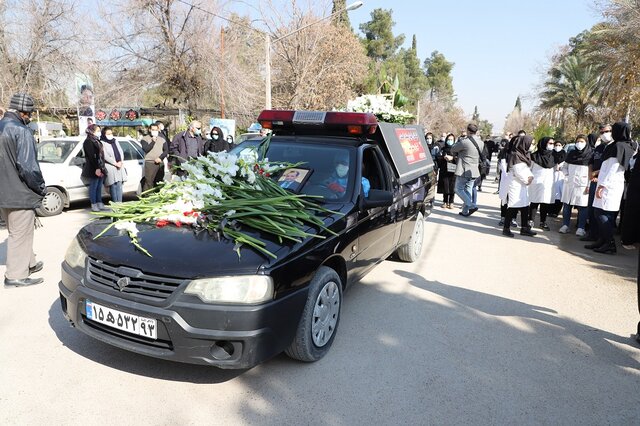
{"x":351,"y":123}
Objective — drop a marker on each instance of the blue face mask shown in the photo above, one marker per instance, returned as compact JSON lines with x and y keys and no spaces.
{"x":449,"y":142}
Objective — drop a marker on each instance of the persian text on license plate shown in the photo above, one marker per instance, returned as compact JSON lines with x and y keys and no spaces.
{"x":141,"y":326}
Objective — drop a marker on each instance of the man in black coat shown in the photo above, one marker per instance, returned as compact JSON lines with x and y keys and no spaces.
{"x":630,"y":225}
{"x":22,"y":189}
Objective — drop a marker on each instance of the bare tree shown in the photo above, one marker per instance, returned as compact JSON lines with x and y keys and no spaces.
{"x":441,"y":115}
{"x":317,"y":67}
{"x":40,"y":43}
{"x":157,"y":46}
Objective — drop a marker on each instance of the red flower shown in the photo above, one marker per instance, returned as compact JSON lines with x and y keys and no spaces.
{"x":115,"y":115}
{"x":100,"y":115}
{"x":191,"y":213}
{"x":162,"y":223}
{"x":178,"y":223}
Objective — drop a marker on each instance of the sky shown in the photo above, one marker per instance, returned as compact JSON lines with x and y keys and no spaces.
{"x":501,"y":48}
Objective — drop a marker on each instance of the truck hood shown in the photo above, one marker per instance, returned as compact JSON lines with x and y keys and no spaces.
{"x":183,"y":253}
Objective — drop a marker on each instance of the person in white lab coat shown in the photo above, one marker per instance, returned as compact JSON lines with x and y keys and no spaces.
{"x":541,"y":190}
{"x":575,"y":192}
{"x":518,"y":168}
{"x":610,"y":188}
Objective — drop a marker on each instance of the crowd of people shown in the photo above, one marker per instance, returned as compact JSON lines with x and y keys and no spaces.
{"x":594,"y":175}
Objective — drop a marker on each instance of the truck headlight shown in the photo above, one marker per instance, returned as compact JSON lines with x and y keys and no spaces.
{"x":75,"y":256}
{"x":237,"y":289}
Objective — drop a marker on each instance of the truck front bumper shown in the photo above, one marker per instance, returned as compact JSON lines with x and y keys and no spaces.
{"x":225,"y":336}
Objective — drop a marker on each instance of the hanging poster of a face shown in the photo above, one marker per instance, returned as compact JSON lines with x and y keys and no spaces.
{"x":86,"y":102}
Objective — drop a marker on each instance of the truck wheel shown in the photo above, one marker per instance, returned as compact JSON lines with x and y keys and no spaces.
{"x":320,"y":318}
{"x":410,"y":252}
{"x":52,"y":203}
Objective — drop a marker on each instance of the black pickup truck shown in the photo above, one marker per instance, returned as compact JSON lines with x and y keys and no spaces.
{"x":196,"y":301}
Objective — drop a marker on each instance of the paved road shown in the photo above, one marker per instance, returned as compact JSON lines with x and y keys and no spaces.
{"x":482,"y":330}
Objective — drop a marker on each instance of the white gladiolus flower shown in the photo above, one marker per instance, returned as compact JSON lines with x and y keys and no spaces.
{"x":128,"y":226}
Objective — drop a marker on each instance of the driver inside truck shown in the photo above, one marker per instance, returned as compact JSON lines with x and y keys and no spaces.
{"x":339,"y":179}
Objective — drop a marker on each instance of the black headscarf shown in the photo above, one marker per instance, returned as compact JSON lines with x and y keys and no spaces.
{"x":519,"y":151}
{"x":591,"y":139}
{"x":559,"y":157}
{"x":543,"y":157}
{"x":580,"y":158}
{"x":621,"y":147}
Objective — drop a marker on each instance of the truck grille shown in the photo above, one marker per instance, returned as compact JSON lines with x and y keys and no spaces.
{"x":128,"y":281}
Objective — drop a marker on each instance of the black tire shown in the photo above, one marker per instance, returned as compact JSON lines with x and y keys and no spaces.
{"x":52,"y":204}
{"x":325,"y":286}
{"x":410,"y":252}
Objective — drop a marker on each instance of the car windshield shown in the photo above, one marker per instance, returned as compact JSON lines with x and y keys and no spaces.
{"x":323,"y":168}
{"x":55,"y":151}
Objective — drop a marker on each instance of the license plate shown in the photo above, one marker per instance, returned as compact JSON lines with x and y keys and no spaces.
{"x":141,"y":326}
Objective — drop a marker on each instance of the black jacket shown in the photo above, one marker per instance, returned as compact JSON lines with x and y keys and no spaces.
{"x":217,"y":146}
{"x":21,"y":182}
{"x":94,"y":157}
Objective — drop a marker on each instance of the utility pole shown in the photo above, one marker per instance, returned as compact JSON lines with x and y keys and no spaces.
{"x":222,"y":74}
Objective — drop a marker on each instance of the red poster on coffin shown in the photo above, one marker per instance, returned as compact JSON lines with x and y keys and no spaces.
{"x":413,"y":150}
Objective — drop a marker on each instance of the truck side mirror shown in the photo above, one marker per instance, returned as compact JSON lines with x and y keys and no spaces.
{"x":377,"y":198}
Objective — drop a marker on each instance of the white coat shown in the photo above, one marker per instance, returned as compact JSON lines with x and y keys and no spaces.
{"x":558,"y":181}
{"x":575,"y":184}
{"x":541,"y":189}
{"x":518,"y":193}
{"x":505,"y":179}
{"x":611,"y":176}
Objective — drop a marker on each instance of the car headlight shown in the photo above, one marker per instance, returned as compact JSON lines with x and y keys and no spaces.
{"x":239,"y":289}
{"x":75,"y":256}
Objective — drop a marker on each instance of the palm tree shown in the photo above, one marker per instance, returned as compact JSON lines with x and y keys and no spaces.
{"x":573,"y":85}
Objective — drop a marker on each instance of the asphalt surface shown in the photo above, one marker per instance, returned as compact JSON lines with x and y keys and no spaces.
{"x":483,"y":329}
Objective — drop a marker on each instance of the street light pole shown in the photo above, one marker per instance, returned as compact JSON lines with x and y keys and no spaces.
{"x":269,"y":42}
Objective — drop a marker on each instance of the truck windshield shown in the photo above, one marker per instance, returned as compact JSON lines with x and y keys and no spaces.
{"x":326,"y":170}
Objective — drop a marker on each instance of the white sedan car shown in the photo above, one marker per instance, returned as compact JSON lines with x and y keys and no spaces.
{"x":61,"y":161}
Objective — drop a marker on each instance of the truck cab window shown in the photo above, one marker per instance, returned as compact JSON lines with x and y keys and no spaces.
{"x":372,"y":170}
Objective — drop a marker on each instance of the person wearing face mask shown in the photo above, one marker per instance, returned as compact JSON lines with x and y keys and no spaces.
{"x":189,"y":143}
{"x":22,"y":189}
{"x":601,"y":143}
{"x":575,"y":192}
{"x":559,"y":155}
{"x":447,"y":178}
{"x":156,"y":149}
{"x":433,"y":147}
{"x":114,"y":163}
{"x":520,"y":177}
{"x":610,"y":186}
{"x":94,"y":169}
{"x":541,"y":189}
{"x":217,"y":143}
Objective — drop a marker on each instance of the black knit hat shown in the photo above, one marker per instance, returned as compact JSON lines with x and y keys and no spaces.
{"x":22,"y":102}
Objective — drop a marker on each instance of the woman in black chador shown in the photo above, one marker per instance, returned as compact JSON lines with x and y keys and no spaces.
{"x":446,"y":179}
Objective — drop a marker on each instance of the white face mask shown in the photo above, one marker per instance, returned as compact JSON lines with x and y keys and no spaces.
{"x":557,"y":148}
{"x":154,"y":133}
{"x":109,"y":137}
{"x":429,"y":140}
{"x":549,"y":147}
{"x":606,"y":137}
{"x":580,"y":145}
{"x":342,"y":170}
{"x":97,"y":134}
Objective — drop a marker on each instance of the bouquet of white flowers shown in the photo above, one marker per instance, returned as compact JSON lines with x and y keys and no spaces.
{"x":381,"y":106}
{"x":224,"y":193}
